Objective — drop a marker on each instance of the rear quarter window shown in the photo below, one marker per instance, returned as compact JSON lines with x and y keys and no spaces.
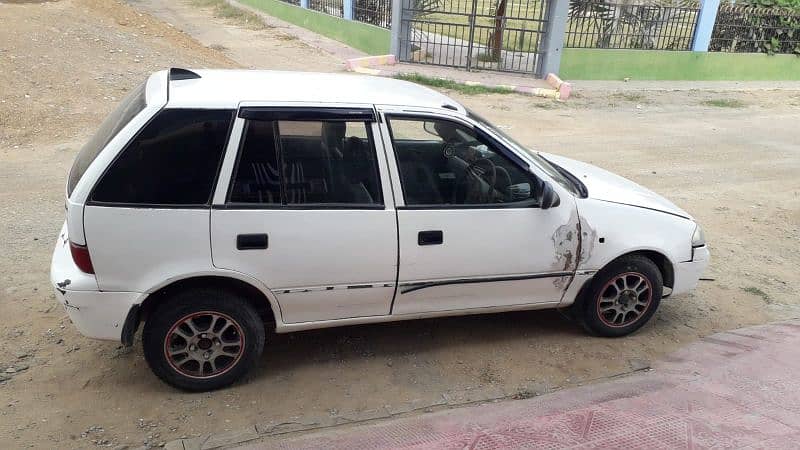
{"x":173,"y":160}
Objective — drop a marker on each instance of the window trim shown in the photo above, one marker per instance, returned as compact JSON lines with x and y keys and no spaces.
{"x":90,"y":201}
{"x":275,"y":114}
{"x":149,"y":205}
{"x":307,"y":114}
{"x":299,"y":206}
{"x":218,"y":173}
{"x":500,"y":149}
{"x":515,"y":205}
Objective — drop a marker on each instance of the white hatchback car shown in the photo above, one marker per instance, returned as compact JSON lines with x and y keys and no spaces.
{"x":215,"y":206}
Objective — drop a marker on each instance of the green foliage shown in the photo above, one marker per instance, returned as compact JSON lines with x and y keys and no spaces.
{"x":488,"y":57}
{"x":724,"y":103}
{"x":423,"y":8}
{"x":640,"y":25}
{"x":758,"y":26}
{"x":634,"y":97}
{"x":791,"y":4}
{"x":758,"y":292}
{"x":452,"y":85}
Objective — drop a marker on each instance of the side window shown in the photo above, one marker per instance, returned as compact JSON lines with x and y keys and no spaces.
{"x":172,"y":161}
{"x":257,"y":173}
{"x":307,"y":163}
{"x":444,"y":163}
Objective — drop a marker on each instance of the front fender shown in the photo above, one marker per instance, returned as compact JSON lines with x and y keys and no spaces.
{"x":610,"y":230}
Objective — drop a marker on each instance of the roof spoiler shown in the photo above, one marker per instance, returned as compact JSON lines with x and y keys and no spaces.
{"x":177,"y":74}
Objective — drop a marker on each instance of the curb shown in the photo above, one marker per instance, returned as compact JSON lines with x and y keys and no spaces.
{"x":449,"y":400}
{"x":564,"y":88}
{"x":369,"y":61}
{"x":366,"y":66}
{"x":524,"y":90}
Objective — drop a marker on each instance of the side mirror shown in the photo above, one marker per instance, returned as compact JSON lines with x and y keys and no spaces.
{"x":430,"y":129}
{"x":520,"y":192}
{"x":549,"y":198}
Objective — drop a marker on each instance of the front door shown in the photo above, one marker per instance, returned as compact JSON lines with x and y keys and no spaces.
{"x":471,"y":232}
{"x":307,"y":213}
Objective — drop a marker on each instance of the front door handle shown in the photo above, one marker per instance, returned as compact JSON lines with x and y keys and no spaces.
{"x":430,"y":237}
{"x":252,"y":241}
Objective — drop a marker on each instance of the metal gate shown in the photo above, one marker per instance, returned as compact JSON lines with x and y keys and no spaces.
{"x":505,"y":35}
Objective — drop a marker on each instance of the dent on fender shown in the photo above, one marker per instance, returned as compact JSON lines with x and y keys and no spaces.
{"x":588,"y":240}
{"x":563,"y":244}
{"x":576,"y":238}
{"x":566,"y":245}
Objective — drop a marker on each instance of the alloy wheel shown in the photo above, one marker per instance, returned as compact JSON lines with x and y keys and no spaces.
{"x":204,"y":344}
{"x":624,"y":299}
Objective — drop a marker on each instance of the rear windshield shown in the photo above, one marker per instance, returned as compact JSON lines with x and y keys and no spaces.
{"x":130,"y":106}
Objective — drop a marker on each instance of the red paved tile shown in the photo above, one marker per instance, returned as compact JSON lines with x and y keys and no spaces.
{"x":738,"y":389}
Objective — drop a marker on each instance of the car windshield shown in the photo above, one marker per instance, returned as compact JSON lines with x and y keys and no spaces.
{"x":552,"y":170}
{"x":130,"y":106}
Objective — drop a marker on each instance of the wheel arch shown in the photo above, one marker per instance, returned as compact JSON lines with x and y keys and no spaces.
{"x":659,"y":258}
{"x":662,"y":262}
{"x":257,"y":296}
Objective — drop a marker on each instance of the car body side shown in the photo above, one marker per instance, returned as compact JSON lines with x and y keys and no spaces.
{"x":152,"y":248}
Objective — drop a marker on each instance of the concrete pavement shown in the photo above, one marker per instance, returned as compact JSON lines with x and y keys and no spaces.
{"x":737,"y":389}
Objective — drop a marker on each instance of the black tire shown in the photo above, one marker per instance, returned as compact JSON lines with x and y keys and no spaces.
{"x":629,"y":310}
{"x":209,"y":358}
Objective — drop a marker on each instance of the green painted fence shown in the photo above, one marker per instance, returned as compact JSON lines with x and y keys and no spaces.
{"x":606,"y":64}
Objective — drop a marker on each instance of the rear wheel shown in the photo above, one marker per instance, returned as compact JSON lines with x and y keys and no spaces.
{"x":203,"y":339}
{"x":623,"y":296}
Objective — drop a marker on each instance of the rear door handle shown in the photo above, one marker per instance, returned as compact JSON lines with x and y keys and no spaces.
{"x":252,"y":241}
{"x":430,"y":237}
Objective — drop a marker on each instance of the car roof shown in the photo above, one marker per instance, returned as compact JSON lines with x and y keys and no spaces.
{"x":228,"y":88}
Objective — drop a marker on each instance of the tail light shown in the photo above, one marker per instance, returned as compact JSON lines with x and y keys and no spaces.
{"x":80,"y":255}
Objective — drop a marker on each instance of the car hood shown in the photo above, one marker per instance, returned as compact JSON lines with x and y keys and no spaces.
{"x":606,"y":186}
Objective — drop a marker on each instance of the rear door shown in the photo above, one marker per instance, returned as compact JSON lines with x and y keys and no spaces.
{"x":471,"y":232}
{"x":302,"y":206}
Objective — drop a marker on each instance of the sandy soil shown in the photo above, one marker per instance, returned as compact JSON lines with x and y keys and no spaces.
{"x":64,"y":64}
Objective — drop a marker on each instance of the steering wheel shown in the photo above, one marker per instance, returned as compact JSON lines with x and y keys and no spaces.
{"x":471,"y":191}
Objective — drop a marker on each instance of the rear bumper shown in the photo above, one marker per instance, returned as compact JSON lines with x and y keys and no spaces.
{"x":688,"y":273}
{"x":96,"y":314}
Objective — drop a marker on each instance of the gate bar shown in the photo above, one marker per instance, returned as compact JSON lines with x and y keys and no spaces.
{"x":471,"y":33}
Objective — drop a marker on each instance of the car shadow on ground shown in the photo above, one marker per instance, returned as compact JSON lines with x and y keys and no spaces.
{"x":397,"y":339}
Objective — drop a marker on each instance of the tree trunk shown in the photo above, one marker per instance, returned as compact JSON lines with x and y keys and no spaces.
{"x":496,"y":41}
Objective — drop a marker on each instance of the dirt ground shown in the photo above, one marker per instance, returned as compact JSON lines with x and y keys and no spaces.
{"x":63,"y":66}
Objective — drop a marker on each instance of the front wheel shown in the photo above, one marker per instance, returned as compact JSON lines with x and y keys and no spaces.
{"x":623,"y":296}
{"x":203,"y":339}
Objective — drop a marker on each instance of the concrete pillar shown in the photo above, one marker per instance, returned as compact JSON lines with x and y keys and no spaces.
{"x":400,"y":45}
{"x":554,"y":34}
{"x":706,"y":19}
{"x":348,"y":9}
